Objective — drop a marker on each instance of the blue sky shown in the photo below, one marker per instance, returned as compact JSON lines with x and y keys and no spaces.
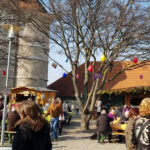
{"x":54,"y":74}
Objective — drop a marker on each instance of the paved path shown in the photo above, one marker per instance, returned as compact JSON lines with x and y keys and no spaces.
{"x":73,"y":138}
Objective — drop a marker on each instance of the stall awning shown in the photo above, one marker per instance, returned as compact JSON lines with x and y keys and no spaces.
{"x":38,"y":89}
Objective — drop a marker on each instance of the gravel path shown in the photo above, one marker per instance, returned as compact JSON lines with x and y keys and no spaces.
{"x":73,"y":138}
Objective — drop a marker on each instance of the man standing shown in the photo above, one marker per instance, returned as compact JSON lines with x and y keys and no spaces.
{"x":54,"y":110}
{"x":99,"y":107}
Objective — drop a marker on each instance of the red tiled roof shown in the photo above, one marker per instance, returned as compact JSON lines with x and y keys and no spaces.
{"x":127,"y":79}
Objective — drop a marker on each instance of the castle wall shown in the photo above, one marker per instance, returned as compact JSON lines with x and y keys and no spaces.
{"x":6,"y":18}
{"x":32,"y":58}
{"x":29,"y":55}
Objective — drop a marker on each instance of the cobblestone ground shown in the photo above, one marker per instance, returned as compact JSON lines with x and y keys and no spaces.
{"x":73,"y":138}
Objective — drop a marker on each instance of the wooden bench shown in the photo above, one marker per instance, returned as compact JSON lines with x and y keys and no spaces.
{"x":10,"y":135}
{"x":10,"y":132}
{"x":118,"y":133}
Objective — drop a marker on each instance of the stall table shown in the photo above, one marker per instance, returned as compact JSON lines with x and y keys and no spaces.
{"x":118,"y":128}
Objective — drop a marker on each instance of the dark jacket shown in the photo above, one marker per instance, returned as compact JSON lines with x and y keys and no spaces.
{"x":12,"y":118}
{"x":141,"y":141}
{"x":27,"y":139}
{"x":128,"y":134}
{"x":119,"y":112}
{"x":1,"y":110}
{"x":103,"y":124}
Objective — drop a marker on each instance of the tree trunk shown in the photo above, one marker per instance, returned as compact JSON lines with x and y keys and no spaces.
{"x":84,"y":121}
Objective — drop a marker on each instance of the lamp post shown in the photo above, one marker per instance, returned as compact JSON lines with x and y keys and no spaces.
{"x":12,"y":29}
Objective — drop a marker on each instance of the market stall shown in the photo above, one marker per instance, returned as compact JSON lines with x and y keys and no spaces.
{"x":42,"y":95}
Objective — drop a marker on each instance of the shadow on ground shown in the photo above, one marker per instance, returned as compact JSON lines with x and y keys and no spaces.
{"x":74,"y":128}
{"x":69,"y":132}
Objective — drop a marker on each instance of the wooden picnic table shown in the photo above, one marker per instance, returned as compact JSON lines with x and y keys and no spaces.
{"x":118,"y":128}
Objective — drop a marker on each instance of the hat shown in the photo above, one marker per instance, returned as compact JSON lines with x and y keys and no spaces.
{"x":103,"y":112}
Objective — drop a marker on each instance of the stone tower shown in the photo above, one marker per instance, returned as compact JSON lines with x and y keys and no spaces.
{"x":29,"y":56}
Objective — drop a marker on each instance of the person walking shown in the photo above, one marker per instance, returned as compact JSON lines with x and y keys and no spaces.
{"x":133,"y":114}
{"x":98,"y":107}
{"x":32,"y":130}
{"x":77,"y":109}
{"x":54,"y":110}
{"x":73,"y":108}
{"x":141,"y":127}
{"x":60,"y":122}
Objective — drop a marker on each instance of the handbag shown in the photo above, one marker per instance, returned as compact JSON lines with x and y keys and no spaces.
{"x":145,"y":124}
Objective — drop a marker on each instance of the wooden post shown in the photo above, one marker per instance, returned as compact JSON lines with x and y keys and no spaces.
{"x":127,"y":99}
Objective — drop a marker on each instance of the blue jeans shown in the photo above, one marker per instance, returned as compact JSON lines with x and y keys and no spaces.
{"x":54,"y":127}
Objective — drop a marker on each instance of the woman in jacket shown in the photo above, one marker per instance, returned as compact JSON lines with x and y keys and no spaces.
{"x":112,"y":114}
{"x":32,"y":130}
{"x":141,"y":127}
{"x":133,"y":114}
{"x":103,"y":125}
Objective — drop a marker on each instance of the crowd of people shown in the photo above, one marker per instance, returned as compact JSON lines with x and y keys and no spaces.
{"x":33,"y":131}
{"x":104,"y":118}
{"x":59,"y":113}
{"x":137,"y":120}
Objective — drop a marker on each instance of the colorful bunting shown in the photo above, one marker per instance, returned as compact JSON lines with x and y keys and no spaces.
{"x":97,"y":75}
{"x":90,"y":69}
{"x":66,"y":59}
{"x":141,"y":76}
{"x":4,"y":72}
{"x":135,"y":60}
{"x":64,"y":75}
{"x":77,"y":76}
{"x":103,"y":58}
{"x":54,"y":65}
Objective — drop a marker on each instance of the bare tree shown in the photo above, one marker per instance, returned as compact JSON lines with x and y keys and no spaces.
{"x":83,"y":29}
